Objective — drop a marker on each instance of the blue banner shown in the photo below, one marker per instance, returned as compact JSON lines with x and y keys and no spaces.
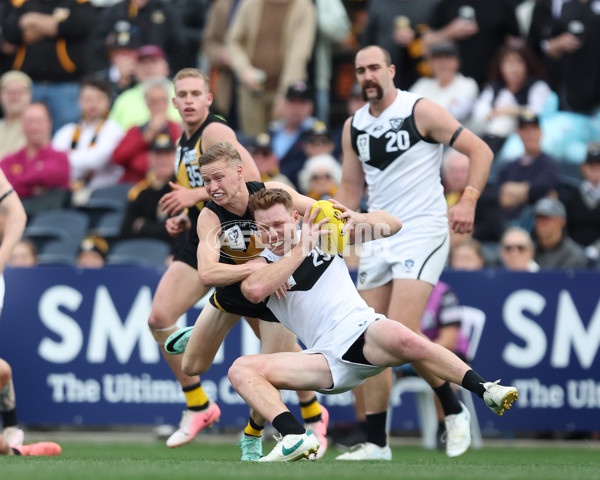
{"x":81,"y":351}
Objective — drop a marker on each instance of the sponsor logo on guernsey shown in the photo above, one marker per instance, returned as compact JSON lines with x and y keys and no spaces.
{"x":189,"y":157}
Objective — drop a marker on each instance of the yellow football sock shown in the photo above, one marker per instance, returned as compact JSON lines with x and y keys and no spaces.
{"x":311,"y":410}
{"x":253,"y":429}
{"x":195,"y":396}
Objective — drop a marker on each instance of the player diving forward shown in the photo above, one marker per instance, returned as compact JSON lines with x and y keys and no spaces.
{"x":346,"y":340}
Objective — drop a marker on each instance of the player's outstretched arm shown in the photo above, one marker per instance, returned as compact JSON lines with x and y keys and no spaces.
{"x":368,"y":226}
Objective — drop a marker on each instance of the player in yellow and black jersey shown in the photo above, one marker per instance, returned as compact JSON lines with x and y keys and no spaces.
{"x":227,"y":254}
{"x":180,"y":287}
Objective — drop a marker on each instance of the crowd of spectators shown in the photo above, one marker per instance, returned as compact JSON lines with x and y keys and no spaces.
{"x":85,"y":91}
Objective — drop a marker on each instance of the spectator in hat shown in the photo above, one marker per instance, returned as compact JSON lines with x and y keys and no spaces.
{"x":122,"y":52}
{"x":132,"y":151}
{"x":448,"y":87}
{"x":92,"y":252}
{"x":153,"y":22}
{"x":523,"y":181}
{"x":38,"y":173}
{"x":145,"y":217}
{"x":517,"y":250}
{"x":266,"y":160}
{"x":517,"y":81}
{"x":318,"y":141}
{"x":583,"y":206}
{"x":90,"y":142}
{"x":270,"y":43}
{"x":15,"y":96}
{"x":51,"y":38}
{"x":553,"y":247}
{"x":130,"y":109}
{"x":320,"y":177}
{"x":287,"y":134}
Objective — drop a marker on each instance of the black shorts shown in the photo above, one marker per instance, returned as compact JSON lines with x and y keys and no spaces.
{"x":186,"y":251}
{"x":230,"y":299}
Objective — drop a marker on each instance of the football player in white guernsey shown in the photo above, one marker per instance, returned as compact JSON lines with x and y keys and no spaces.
{"x":11,"y":437}
{"x":346,"y":340}
{"x":394,"y":144}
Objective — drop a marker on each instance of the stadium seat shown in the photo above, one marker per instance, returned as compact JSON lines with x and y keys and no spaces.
{"x":140,"y":252}
{"x":59,"y":252}
{"x":109,"y":226}
{"x":472,"y":324}
{"x":60,"y":224}
{"x":106,"y":200}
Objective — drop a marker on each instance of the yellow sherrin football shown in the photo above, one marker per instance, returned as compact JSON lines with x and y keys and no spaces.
{"x":334,"y":242}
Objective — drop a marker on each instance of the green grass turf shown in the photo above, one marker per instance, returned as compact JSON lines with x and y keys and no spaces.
{"x":114,"y":461}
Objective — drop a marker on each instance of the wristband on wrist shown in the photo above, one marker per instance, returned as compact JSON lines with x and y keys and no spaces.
{"x":471,"y":193}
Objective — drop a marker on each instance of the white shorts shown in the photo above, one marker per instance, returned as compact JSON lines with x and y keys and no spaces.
{"x":346,"y":375}
{"x":2,"y":291}
{"x":419,"y":253}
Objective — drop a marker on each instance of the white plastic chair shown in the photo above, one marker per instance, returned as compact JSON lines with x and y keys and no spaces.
{"x":473,"y":321}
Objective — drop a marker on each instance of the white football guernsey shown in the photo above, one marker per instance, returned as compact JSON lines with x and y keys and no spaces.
{"x":402,"y":169}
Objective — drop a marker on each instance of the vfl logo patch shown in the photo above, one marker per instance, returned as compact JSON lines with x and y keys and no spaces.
{"x":234,"y":239}
{"x":409,"y":264}
{"x":362,"y":278}
{"x":362,"y":143}
{"x":396,"y":123}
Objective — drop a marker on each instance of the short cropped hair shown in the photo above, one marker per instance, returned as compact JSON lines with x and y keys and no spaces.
{"x":220,"y":151}
{"x":266,"y":198}
{"x":97,"y":83}
{"x":386,"y":54}
{"x":191,"y":73}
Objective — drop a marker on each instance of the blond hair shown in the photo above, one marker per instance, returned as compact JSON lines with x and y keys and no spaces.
{"x":220,"y":151}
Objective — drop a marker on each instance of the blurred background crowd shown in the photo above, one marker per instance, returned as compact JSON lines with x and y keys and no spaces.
{"x":88,"y":132}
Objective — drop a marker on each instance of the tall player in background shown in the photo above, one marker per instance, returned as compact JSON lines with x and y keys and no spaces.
{"x":394,"y":143}
{"x":11,"y":439}
{"x":180,"y":288}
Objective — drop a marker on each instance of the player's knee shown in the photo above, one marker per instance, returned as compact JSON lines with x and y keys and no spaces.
{"x":161,"y":334}
{"x":240,"y":371}
{"x":192,"y":366}
{"x":411,"y":346}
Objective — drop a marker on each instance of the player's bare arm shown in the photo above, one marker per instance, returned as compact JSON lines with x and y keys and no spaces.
{"x":268,"y":279}
{"x":437,"y":123}
{"x":368,"y":226}
{"x":218,"y":132}
{"x":213,"y":273}
{"x":350,"y":190}
{"x":16,"y":218}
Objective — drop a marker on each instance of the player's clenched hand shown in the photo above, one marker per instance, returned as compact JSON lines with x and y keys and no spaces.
{"x":178,"y":224}
{"x":180,"y":198}
{"x":461,"y":216}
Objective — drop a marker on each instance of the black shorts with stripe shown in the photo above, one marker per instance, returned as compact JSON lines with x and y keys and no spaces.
{"x":186,"y":251}
{"x":230,"y":299}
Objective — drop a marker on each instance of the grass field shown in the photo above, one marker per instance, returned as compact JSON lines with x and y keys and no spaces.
{"x":133,"y":461}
